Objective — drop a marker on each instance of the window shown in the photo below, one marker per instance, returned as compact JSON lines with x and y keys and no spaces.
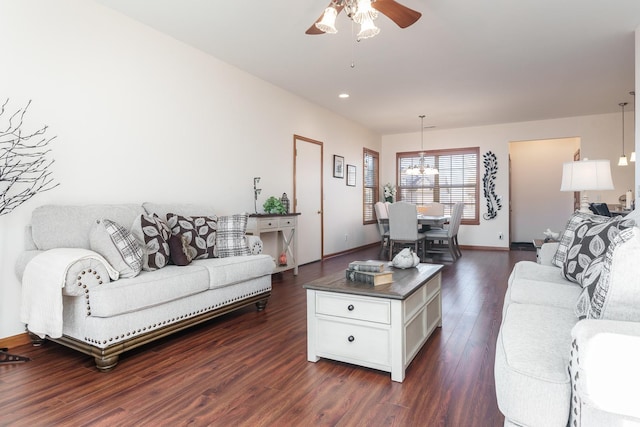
{"x":370,"y":187}
{"x":457,"y":181}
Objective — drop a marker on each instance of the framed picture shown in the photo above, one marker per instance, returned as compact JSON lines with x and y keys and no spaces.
{"x":351,"y":175}
{"x":338,"y":166}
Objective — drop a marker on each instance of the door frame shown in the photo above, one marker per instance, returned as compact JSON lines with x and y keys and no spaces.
{"x":295,"y":190}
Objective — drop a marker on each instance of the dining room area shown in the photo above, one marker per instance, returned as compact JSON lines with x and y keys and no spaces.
{"x":430,"y":229}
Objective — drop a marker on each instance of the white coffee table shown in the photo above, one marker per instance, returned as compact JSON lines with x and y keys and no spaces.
{"x":380,"y":327}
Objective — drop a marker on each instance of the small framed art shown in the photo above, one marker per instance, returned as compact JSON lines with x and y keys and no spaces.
{"x":351,"y":175}
{"x":338,"y":166}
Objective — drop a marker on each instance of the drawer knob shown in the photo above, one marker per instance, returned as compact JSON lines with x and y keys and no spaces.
{"x":351,"y":338}
{"x":351,"y":307}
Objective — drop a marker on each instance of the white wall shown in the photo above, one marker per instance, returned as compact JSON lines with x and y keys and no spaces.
{"x":140,"y":117}
{"x":536,"y":173}
{"x":600,"y":139}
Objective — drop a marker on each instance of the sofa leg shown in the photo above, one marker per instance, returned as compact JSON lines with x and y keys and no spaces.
{"x":261,"y":305}
{"x":36,"y":341}
{"x":106,"y":364}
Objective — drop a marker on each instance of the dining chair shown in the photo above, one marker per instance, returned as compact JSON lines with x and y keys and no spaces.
{"x":403,"y":228}
{"x":447,"y":237}
{"x":383,"y":228}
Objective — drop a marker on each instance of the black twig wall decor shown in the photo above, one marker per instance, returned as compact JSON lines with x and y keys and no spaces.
{"x":25,"y":169}
{"x":494,"y":202}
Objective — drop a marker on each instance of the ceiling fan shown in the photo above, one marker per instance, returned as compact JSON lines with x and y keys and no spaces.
{"x":364,"y":12}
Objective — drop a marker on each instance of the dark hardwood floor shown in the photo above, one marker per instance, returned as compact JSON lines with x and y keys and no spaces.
{"x":249,"y":368}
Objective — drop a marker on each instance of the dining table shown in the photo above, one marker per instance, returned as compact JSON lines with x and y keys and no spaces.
{"x":429,"y":220}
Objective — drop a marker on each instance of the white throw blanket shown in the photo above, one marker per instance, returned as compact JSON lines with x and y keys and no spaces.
{"x":42,"y":284}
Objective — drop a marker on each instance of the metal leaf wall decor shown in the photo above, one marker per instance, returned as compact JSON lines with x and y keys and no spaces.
{"x":25,"y":169}
{"x":494,"y":202}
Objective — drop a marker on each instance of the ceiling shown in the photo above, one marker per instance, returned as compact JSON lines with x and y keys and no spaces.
{"x":464,"y":63}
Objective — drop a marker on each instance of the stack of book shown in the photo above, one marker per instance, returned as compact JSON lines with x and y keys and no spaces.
{"x":371,"y":272}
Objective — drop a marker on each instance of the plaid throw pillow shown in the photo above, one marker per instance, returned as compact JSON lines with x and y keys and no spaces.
{"x":199,"y":232}
{"x":230,"y":237}
{"x":568,"y":235}
{"x":118,"y":246}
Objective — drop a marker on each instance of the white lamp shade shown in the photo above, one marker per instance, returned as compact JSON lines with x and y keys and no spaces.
{"x":586,"y":175}
{"x":328,"y":22}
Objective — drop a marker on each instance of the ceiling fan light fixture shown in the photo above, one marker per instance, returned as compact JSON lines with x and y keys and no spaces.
{"x":367,"y":28}
{"x":364,"y":11}
{"x":328,"y":22}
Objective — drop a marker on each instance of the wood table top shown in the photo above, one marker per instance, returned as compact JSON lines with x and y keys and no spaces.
{"x":405,"y":282}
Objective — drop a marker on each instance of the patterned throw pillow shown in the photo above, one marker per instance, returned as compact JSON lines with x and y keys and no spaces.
{"x":568,"y":234}
{"x":118,"y":246}
{"x":591,"y":240}
{"x":180,"y":253}
{"x":153,"y":235}
{"x":199,"y":231}
{"x":599,"y":300}
{"x":230,"y":238}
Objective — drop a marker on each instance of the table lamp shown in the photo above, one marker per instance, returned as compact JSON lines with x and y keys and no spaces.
{"x":586,"y":175}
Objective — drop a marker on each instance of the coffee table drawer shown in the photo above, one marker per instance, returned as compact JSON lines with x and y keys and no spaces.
{"x":359,"y":344}
{"x":354,"y":307}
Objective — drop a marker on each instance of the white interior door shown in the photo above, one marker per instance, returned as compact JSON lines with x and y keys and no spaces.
{"x":307,"y":167}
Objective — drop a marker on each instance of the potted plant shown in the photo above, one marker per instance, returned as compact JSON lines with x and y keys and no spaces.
{"x":273,"y":205}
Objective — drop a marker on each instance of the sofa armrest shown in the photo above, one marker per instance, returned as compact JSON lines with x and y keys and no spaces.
{"x":547,"y":252}
{"x":255,"y":244}
{"x":605,"y":368}
{"x":83,"y":275}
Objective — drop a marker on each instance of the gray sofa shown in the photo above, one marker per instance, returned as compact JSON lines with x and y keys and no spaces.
{"x":103,"y":317}
{"x":568,"y":355}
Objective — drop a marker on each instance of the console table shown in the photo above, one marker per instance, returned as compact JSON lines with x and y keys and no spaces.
{"x":381,"y":327}
{"x":284,"y":226}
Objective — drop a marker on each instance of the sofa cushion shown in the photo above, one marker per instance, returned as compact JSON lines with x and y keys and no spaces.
{"x":616,"y":295}
{"x":590,"y":241}
{"x":230,"y":270}
{"x":230,"y":238}
{"x":200,"y":232}
{"x":67,"y":226}
{"x":534,"y":271}
{"x":118,"y":246}
{"x":531,"y":366}
{"x":526,"y":291}
{"x":153,"y":234}
{"x":148,"y":289}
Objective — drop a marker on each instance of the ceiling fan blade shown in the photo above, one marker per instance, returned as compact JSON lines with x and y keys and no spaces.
{"x":315,"y":30}
{"x":401,"y":15}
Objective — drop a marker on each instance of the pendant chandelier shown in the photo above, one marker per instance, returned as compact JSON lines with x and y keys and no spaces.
{"x":421,"y":168}
{"x":623,"y":159}
{"x":633,"y":153}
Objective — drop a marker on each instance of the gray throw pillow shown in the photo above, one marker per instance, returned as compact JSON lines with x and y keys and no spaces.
{"x":118,"y":246}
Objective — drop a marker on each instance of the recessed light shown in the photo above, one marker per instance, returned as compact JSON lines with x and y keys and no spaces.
{"x":343,"y":95}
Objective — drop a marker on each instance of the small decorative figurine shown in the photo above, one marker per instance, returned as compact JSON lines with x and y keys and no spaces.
{"x":285,"y":202}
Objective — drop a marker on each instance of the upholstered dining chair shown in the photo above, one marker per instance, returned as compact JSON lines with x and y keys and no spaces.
{"x":447,"y":237}
{"x":383,"y":228}
{"x":403,"y":228}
